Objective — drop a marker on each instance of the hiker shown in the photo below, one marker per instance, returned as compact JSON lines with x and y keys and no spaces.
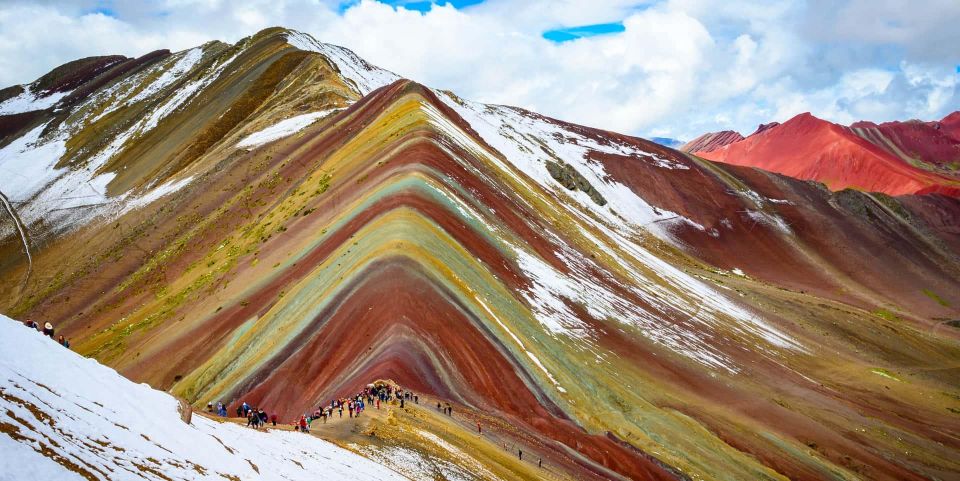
{"x":240,"y":411}
{"x":48,"y":330}
{"x":303,"y":424}
{"x":438,"y":405}
{"x":520,"y":452}
{"x":401,"y":403}
{"x":479,"y":429}
{"x":221,"y":409}
{"x":273,"y":419}
{"x":416,"y":399}
{"x":209,"y":404}
{"x":262,"y":415}
{"x":63,"y":342}
{"x":449,"y":410}
{"x":539,"y":462}
{"x":378,"y":403}
{"x":32,"y":325}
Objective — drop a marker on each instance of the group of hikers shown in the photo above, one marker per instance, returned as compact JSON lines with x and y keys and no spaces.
{"x":47,"y":330}
{"x":371,"y":395}
{"x":256,"y":417}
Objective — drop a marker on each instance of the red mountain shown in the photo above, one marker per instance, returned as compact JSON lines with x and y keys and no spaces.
{"x":927,"y":145}
{"x":950,"y":125}
{"x":711,"y":141}
{"x":895,"y":157}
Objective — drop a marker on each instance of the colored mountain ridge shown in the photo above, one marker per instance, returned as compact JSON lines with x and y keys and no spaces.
{"x":711,"y":141}
{"x":895,"y":158}
{"x":280,"y":222}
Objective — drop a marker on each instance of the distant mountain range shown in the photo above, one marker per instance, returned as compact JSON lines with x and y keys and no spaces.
{"x":912,"y":157}
{"x":668,"y":142}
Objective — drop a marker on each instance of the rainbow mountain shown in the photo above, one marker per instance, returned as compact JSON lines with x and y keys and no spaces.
{"x":280,"y":222}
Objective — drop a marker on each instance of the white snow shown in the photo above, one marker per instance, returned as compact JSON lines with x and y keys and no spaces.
{"x":462,"y":457}
{"x":60,"y":196}
{"x":28,"y":101}
{"x":156,"y":193}
{"x":187,"y":60}
{"x":550,"y":287}
{"x":282,"y":129}
{"x":772,"y":220}
{"x":365,"y":77}
{"x":526,"y":142}
{"x":111,"y":427}
{"x":417,"y":466}
{"x":179,"y":97}
{"x":68,"y":197}
{"x":529,"y":140}
{"x":183,"y":63}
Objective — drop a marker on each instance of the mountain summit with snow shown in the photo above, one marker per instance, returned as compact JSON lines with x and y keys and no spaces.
{"x":278,"y":222}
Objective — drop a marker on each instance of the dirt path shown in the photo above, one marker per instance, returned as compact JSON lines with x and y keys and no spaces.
{"x":423,"y":429}
{"x":21,"y":229}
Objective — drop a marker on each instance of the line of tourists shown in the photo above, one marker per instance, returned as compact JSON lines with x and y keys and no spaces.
{"x":47,"y":330}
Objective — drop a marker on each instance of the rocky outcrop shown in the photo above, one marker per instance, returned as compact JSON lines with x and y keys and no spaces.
{"x":572,"y":180}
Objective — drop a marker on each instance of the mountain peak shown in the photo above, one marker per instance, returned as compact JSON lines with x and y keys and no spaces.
{"x":281,"y":223}
{"x":711,"y":141}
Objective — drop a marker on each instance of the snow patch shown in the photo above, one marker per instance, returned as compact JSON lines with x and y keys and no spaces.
{"x":29,"y":101}
{"x":365,"y":77}
{"x":526,"y":141}
{"x":158,"y":192}
{"x":283,"y":128}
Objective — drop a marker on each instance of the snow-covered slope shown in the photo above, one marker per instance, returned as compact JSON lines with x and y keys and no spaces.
{"x":365,"y":77}
{"x":68,"y":417}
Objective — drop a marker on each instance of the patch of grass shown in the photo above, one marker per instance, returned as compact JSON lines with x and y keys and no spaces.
{"x":885,"y":314}
{"x":884,"y":373}
{"x":936,"y":298}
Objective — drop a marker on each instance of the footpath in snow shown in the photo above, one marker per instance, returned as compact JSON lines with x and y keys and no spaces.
{"x":66,"y":417}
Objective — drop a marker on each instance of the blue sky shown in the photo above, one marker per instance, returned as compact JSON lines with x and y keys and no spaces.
{"x":417,"y":5}
{"x":566,"y":34}
{"x":669,"y":68}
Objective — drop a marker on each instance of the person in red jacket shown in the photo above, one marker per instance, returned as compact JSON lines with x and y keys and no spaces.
{"x":303,"y":424}
{"x":273,"y":419}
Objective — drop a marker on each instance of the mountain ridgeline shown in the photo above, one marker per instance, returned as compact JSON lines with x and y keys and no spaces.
{"x":279,"y":222}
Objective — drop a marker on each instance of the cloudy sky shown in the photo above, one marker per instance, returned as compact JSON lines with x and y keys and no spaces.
{"x":673,"y":68}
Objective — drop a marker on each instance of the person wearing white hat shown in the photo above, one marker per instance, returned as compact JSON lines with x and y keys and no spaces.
{"x":48,"y":330}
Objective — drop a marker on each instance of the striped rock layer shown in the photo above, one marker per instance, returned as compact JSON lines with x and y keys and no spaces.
{"x":279,"y":222}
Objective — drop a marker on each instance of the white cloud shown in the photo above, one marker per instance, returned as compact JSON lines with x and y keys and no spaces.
{"x":679,"y":68}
